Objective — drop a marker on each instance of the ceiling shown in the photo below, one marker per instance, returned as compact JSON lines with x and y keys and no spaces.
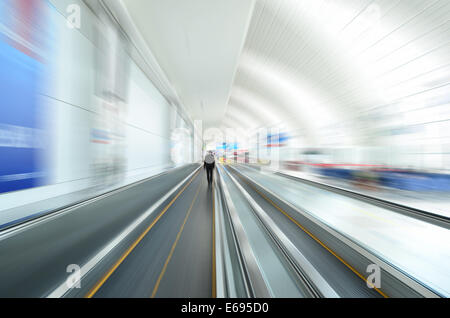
{"x":315,"y":66}
{"x":198,"y":44}
{"x":312,"y":67}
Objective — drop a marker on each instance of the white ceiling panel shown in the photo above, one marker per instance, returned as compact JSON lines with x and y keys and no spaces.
{"x":198,"y":44}
{"x":318,"y":64}
{"x":312,"y":66}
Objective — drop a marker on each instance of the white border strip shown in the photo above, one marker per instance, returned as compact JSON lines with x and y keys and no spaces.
{"x":219,"y":236}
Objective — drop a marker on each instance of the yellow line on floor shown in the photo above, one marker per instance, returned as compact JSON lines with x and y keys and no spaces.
{"x":100,"y":283}
{"x":161,"y":275}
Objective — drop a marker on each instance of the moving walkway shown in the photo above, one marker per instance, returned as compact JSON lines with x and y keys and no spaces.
{"x":172,"y":235}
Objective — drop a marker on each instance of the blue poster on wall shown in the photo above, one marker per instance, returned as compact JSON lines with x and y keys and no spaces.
{"x":21,"y":72}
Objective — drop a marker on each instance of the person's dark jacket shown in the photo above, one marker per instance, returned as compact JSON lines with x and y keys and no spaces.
{"x":209,"y":165}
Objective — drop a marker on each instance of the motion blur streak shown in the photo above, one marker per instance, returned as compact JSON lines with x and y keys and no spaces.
{"x":334,"y":113}
{"x":23,"y":49}
{"x":78,"y":114}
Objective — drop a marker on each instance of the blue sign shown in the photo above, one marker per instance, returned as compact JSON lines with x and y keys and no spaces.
{"x":277,"y":139}
{"x":228,"y":146}
{"x":21,"y":135}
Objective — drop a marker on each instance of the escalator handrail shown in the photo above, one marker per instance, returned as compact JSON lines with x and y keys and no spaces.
{"x":254,"y":280}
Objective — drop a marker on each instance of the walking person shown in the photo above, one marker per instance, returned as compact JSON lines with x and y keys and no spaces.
{"x":209,"y":166}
